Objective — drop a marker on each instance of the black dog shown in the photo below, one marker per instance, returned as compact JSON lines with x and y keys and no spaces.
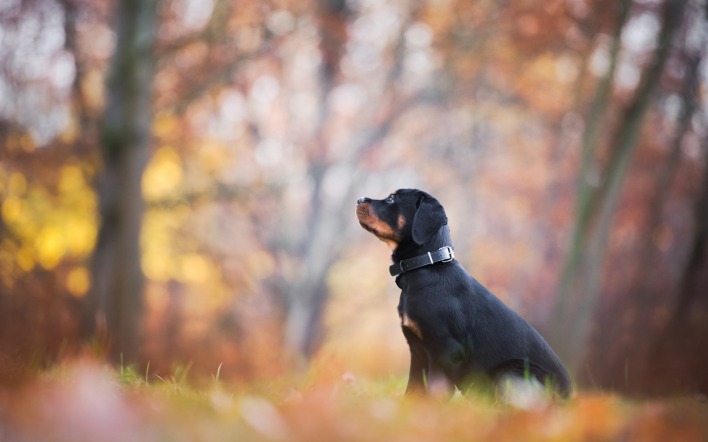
{"x":455,"y":327}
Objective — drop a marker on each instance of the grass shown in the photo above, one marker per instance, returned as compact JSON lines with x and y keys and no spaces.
{"x":88,"y":401}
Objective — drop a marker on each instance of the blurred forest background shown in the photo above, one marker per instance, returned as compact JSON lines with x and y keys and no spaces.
{"x":178,"y":178}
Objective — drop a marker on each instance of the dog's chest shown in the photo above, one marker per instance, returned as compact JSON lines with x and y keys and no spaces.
{"x":408,"y":316}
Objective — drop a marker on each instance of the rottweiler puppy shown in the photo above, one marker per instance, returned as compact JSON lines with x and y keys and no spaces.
{"x":456,"y":329}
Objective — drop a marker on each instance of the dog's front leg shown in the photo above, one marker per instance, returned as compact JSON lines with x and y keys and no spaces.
{"x":418,"y":367}
{"x":426,"y":376}
{"x":416,"y":376}
{"x":446,"y":359}
{"x":439,"y":385}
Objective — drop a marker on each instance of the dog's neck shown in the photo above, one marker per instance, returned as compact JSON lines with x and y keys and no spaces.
{"x":412,"y":250}
{"x":441,"y":238}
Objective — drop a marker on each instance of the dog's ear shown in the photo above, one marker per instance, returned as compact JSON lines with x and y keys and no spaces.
{"x":428,"y":218}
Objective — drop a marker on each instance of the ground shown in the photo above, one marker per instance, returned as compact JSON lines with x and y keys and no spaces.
{"x":87,"y":401}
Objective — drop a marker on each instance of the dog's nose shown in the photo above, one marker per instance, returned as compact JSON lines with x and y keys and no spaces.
{"x":362,"y":200}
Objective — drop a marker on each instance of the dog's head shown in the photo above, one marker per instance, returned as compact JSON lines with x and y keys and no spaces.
{"x":407,"y":217}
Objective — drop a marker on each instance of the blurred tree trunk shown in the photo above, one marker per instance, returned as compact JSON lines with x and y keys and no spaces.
{"x":329,"y":209}
{"x":626,"y":365}
{"x":308,"y":293}
{"x":87,"y":122}
{"x":694,"y":282}
{"x":623,"y":343}
{"x":676,"y":361}
{"x":588,"y":181}
{"x":117,"y":276}
{"x":589,"y":169}
{"x":582,"y":274}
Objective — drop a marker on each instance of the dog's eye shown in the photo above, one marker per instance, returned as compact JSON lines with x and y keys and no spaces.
{"x":389,"y":200}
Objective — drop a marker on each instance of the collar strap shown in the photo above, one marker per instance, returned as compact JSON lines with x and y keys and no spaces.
{"x":444,"y":254}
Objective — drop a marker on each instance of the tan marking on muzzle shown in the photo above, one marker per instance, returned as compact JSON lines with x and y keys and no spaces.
{"x":371,"y":222}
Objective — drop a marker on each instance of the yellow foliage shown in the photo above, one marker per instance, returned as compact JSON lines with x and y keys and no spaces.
{"x":78,"y":281}
{"x":165,"y":124}
{"x":48,"y":227}
{"x":156,"y":264}
{"x":160,"y":259}
{"x":163,"y":259}
{"x":195,"y":269}
{"x":71,"y":179}
{"x":15,"y":142}
{"x":81,"y":236}
{"x":25,"y":259}
{"x":17,"y":184}
{"x":92,"y":89}
{"x":71,"y":132}
{"x":163,"y":174}
{"x":50,"y":246}
{"x":214,"y":155}
{"x":11,"y":209}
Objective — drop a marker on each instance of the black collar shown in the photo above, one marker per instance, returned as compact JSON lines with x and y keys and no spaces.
{"x":444,"y":254}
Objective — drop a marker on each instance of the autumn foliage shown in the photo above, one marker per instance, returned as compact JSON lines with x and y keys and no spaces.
{"x":177,"y":189}
{"x":89,"y":402}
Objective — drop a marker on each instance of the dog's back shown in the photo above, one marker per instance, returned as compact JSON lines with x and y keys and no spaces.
{"x":496,"y":339}
{"x":506,"y":342}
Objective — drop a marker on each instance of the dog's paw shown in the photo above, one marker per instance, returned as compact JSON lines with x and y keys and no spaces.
{"x":519,"y":392}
